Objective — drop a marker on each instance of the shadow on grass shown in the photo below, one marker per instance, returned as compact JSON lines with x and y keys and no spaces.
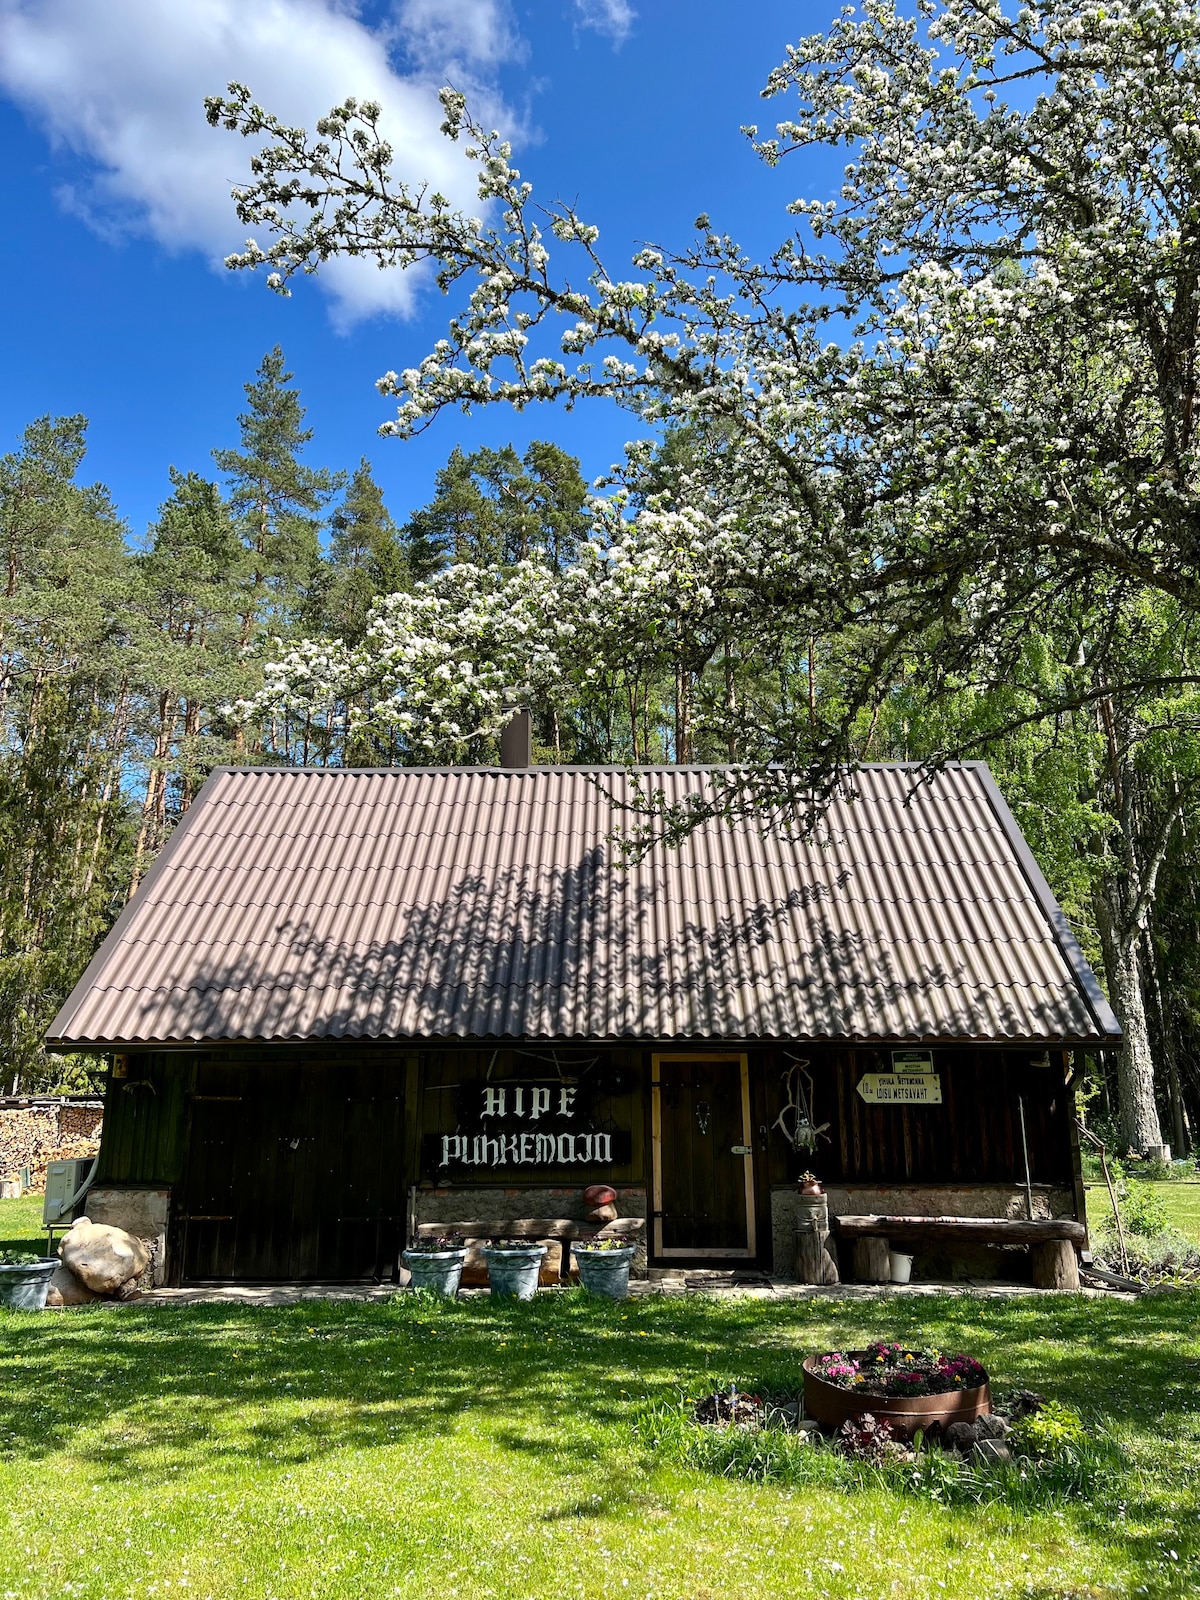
{"x":194,"y":1387}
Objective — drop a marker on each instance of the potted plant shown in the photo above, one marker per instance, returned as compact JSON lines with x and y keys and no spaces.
{"x":810,"y":1184}
{"x":911,"y":1388}
{"x":25,"y":1279}
{"x":514,"y":1266}
{"x":604,"y":1266}
{"x":436,"y":1263}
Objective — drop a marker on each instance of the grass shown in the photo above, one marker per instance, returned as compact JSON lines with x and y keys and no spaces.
{"x":1181,"y":1200}
{"x":21,"y":1223}
{"x":414,"y":1449}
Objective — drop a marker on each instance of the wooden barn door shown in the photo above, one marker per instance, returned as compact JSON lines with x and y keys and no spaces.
{"x":292,"y":1173}
{"x":703,"y":1157}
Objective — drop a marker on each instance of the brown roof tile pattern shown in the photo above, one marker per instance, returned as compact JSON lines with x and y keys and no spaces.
{"x":491,"y":903}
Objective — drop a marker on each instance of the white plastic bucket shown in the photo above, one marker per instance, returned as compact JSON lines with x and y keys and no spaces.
{"x":901,"y":1266}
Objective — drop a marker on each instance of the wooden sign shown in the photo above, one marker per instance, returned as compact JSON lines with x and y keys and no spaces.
{"x":901,"y":1089}
{"x":545,"y":1125}
{"x":446,"y":1153}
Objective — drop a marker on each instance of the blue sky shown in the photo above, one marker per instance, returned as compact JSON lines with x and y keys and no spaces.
{"x":116,"y":199}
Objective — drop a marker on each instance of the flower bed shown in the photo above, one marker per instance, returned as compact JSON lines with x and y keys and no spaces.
{"x":911,"y":1388}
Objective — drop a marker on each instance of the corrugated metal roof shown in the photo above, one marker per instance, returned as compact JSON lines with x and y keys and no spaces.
{"x":492,"y":903}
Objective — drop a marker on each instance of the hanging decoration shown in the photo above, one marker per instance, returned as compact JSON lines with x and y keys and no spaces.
{"x":795,"y":1122}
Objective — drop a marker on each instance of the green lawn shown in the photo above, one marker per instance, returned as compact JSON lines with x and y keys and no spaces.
{"x":409,"y":1449}
{"x":21,"y":1224}
{"x":1182,"y":1202}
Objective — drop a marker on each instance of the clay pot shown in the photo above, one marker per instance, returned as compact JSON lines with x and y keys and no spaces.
{"x":811,"y":1186}
{"x":599,"y":1194}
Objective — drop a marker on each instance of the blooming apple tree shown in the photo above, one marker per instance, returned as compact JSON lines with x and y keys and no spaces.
{"x":1016,"y":246}
{"x":958,"y":404}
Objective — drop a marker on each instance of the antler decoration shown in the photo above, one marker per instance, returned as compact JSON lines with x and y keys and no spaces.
{"x":795,"y":1121}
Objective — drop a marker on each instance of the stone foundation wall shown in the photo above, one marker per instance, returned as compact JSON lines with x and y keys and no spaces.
{"x":932,"y":1200}
{"x":451,"y":1205}
{"x":142,"y":1212}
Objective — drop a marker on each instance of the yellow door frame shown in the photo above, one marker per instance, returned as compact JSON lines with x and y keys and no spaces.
{"x":656,"y":1151}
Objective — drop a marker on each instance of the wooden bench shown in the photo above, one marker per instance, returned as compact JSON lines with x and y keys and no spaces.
{"x":556,"y":1268}
{"x":1052,"y":1241}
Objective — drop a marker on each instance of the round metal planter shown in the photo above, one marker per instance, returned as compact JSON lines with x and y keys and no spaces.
{"x":605,"y":1272}
{"x":439,"y":1270}
{"x":24,"y":1287}
{"x":831,"y":1405}
{"x":513,"y":1274}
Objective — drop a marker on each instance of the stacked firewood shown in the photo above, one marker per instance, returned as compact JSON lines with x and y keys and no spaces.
{"x":73,"y":1150}
{"x":34,"y":1135}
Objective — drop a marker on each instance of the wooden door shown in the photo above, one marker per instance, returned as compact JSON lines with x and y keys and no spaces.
{"x":703,"y":1157}
{"x":292,"y":1174}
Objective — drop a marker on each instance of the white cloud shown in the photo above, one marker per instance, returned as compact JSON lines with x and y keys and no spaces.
{"x":612,"y":17}
{"x":122,"y":84}
{"x":450,"y":38}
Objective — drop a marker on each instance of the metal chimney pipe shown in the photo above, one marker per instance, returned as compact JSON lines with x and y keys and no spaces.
{"x":516,"y":741}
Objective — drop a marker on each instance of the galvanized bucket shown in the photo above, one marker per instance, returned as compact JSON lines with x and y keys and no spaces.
{"x":605,"y":1272}
{"x":24,"y":1287}
{"x":513,"y":1274}
{"x":439,"y":1270}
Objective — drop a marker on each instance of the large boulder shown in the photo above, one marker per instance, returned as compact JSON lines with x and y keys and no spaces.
{"x":68,"y":1290}
{"x":102,"y":1257}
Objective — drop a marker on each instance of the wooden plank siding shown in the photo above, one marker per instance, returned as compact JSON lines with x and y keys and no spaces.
{"x":292,"y":1161}
{"x":145,"y":1121}
{"x":974,"y":1136}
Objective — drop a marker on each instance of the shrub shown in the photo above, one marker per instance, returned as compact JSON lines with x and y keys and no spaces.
{"x":1053,"y":1431}
{"x":1143,"y":1210}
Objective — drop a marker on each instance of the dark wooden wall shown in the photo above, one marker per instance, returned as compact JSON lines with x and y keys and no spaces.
{"x":145,"y":1121}
{"x":974,"y":1136}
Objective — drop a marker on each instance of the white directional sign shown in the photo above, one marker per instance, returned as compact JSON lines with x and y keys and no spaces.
{"x":901,"y":1088}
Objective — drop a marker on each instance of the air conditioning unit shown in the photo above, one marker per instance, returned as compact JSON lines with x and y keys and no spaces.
{"x":63,"y":1179}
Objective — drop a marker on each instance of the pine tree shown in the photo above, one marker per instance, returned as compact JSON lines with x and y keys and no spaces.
{"x":276,"y":500}
{"x":494,"y":508}
{"x":192,"y":595}
{"x":366,"y":559}
{"x":66,"y":702}
{"x":457,"y":525}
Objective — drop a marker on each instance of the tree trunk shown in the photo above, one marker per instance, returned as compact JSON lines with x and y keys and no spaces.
{"x":1137,"y":1109}
{"x":1181,"y":1142}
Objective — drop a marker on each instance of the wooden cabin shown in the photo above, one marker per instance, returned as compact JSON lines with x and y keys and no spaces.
{"x":344,"y":1004}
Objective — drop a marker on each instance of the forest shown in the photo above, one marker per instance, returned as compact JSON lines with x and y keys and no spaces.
{"x":133,"y":664}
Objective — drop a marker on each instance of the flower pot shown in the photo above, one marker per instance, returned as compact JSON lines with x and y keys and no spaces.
{"x":831,"y":1405}
{"x":439,"y":1270}
{"x":811,"y":1186}
{"x":24,"y":1288}
{"x":605,"y":1272}
{"x":901,"y":1266}
{"x":513,"y":1274}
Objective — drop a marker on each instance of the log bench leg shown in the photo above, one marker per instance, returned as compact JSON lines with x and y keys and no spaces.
{"x":872,"y":1263}
{"x":1055,"y":1265}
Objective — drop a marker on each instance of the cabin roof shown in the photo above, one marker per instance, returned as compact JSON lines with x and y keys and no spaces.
{"x":493,"y":903}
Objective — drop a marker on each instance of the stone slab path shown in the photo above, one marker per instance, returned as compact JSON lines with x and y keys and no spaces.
{"x":751,"y":1286}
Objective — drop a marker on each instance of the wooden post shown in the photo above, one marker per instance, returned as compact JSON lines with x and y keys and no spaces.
{"x":814,"y":1261}
{"x":1055,"y":1265}
{"x":872,"y":1261}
